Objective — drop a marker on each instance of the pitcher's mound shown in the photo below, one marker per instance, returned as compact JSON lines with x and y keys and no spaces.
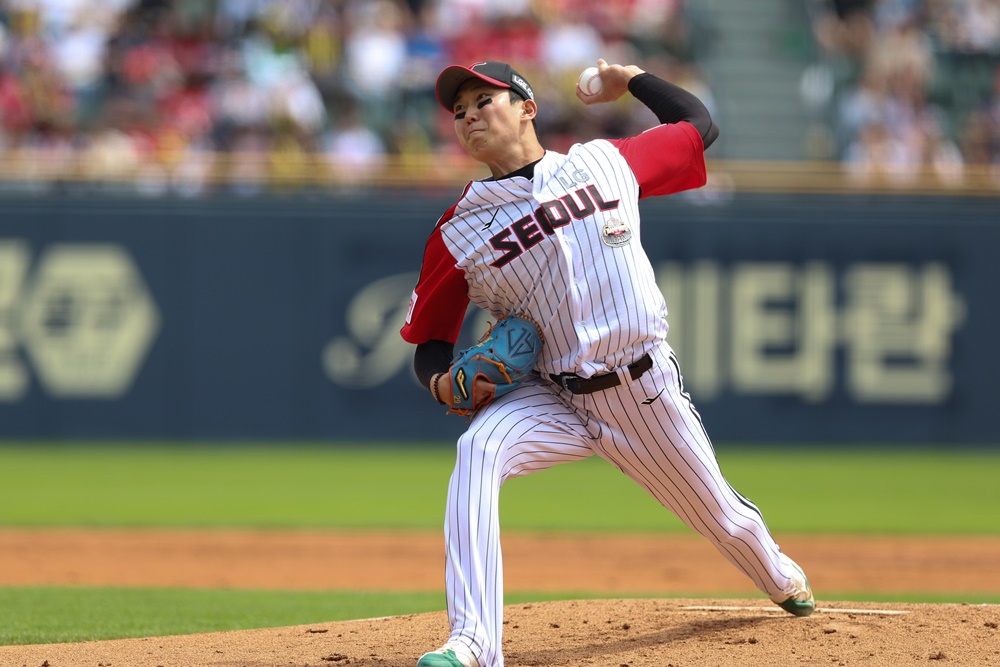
{"x":599,"y":633}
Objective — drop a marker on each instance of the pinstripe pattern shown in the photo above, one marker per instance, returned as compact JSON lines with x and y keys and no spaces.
{"x":600,"y":306}
{"x":528,"y":430}
{"x":661,"y":445}
{"x":535,"y":247}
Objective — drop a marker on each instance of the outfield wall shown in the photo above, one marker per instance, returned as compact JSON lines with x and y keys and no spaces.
{"x":796,"y":317}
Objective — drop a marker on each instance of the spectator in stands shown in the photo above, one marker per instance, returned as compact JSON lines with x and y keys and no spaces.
{"x":375,"y":53}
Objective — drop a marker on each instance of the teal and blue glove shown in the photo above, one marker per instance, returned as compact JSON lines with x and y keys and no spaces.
{"x":499,"y":362}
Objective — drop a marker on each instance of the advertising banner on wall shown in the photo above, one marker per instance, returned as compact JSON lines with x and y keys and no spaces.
{"x":796,"y":318}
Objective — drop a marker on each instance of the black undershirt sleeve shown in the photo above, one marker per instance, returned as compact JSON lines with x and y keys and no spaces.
{"x":432,"y":357}
{"x":673,"y":104}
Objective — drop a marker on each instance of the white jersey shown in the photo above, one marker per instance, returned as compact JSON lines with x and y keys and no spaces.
{"x":563,"y":248}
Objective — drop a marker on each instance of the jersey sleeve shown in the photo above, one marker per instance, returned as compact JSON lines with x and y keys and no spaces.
{"x":441,"y":297}
{"x":665,"y":159}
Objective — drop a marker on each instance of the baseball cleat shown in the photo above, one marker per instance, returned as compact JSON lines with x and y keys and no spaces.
{"x":800,"y":602}
{"x":448,"y":657}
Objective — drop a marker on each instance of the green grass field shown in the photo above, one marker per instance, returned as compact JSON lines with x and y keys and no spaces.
{"x":802,"y":490}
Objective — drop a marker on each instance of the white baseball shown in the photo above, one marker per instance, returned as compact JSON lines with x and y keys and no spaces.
{"x":590,"y":81}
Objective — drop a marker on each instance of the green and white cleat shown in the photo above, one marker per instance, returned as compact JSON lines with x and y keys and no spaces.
{"x":448,"y":657}
{"x":800,"y":601}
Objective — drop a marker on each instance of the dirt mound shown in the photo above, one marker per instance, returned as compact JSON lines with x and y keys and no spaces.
{"x":596,"y":633}
{"x":606,"y":633}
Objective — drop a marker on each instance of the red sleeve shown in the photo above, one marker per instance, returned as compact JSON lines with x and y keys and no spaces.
{"x":441,"y":297}
{"x":666,"y":159}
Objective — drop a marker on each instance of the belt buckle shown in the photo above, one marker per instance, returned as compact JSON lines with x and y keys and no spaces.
{"x":564,"y":380}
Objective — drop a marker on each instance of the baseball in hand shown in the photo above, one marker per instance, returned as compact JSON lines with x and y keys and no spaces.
{"x":590,"y":81}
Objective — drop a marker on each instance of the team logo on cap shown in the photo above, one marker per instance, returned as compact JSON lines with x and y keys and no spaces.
{"x":524,"y":84}
{"x":616,"y":233}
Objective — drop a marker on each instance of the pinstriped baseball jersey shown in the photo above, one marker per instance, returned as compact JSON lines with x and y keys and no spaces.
{"x":563,"y":248}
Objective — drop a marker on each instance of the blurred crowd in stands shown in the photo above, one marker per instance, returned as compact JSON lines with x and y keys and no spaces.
{"x":916,"y":83}
{"x":158,"y":90}
{"x":158,"y":87}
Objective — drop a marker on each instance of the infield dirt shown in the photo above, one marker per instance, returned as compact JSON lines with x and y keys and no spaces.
{"x":739,"y":627}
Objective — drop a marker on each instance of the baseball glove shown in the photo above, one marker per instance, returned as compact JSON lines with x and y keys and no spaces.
{"x":504,"y":356}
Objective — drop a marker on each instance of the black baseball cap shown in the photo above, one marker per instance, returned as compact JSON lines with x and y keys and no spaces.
{"x":498,"y":74}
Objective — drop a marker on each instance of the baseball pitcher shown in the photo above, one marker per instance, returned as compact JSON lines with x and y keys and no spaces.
{"x":578,"y":363}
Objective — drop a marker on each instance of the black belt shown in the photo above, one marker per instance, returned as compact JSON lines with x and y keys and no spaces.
{"x":579,"y":385}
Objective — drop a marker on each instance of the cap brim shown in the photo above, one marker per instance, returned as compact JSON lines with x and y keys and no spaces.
{"x":452,"y":78}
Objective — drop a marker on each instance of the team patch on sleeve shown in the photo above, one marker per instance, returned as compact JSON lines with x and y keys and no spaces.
{"x":413,"y":304}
